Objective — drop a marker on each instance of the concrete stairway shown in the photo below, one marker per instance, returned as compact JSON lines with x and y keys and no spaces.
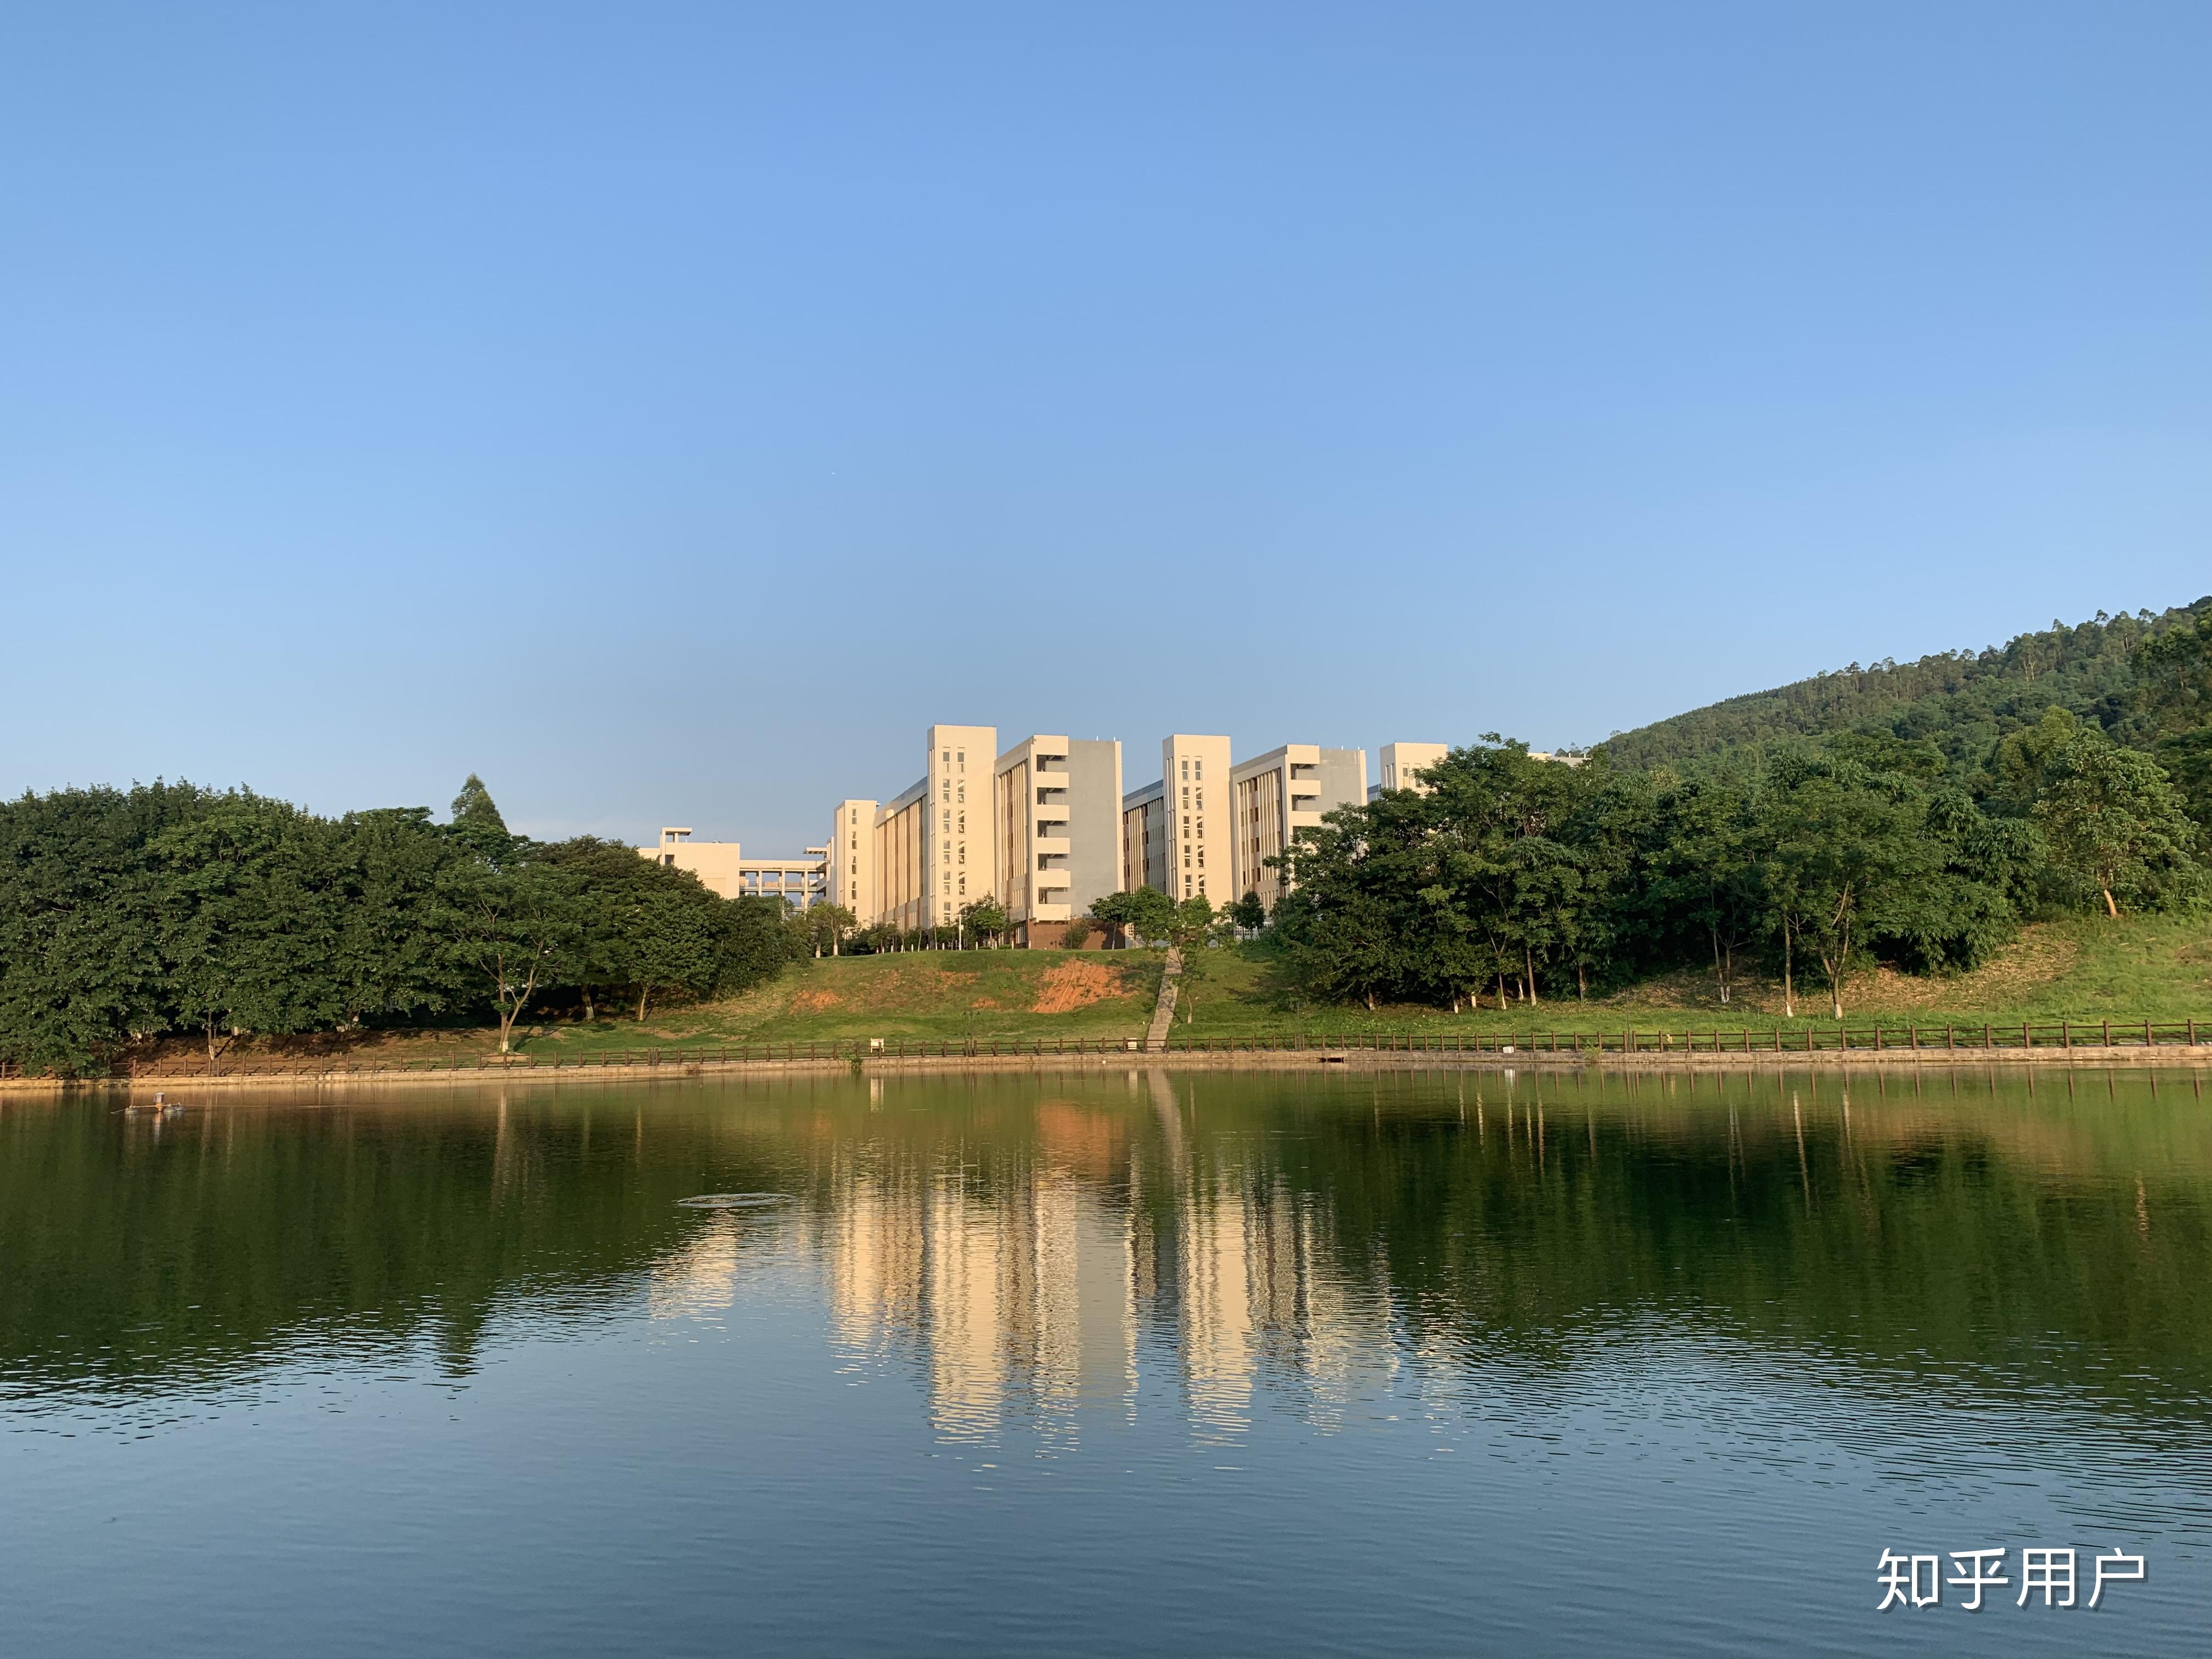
{"x":1155,"y":1038}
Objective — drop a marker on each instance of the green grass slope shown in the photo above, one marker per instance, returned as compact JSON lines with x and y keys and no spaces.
{"x":2085,"y":969}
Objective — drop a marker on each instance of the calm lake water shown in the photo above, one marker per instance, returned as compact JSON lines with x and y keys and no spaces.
{"x":1152,"y":1362}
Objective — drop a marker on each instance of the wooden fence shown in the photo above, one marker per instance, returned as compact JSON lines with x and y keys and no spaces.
{"x":2066,"y":1034}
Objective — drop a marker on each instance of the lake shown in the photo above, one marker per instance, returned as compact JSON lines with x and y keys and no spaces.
{"x":1142,"y":1362}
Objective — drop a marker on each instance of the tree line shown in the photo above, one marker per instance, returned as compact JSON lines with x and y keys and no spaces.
{"x":1509,"y":876}
{"x":127,"y":915}
{"x":2138,"y":678}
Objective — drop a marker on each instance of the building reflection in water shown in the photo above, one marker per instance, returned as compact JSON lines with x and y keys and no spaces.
{"x":1038,"y":1278}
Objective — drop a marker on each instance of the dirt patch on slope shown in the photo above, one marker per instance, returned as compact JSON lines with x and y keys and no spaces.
{"x":1067,"y":985}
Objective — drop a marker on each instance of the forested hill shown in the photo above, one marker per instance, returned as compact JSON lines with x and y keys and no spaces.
{"x":1964,"y":701}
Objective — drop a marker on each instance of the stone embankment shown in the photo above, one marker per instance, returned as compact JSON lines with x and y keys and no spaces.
{"x":2098,"y":1046}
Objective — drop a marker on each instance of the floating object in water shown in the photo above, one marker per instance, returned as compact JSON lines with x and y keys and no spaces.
{"x":734,"y":1200}
{"x":161,"y":1104}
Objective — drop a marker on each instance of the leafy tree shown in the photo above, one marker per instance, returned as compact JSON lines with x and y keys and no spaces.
{"x":1342,"y":924}
{"x":248,"y":929}
{"x":829,"y":923}
{"x":986,"y":918}
{"x":2024,"y":761}
{"x":2113,"y":822}
{"x":1190,"y":930}
{"x":477,"y":822}
{"x":389,"y":873}
{"x":1077,"y":933}
{"x":2173,"y":672}
{"x":754,"y":946}
{"x":1709,"y":870}
{"x":1248,"y":913}
{"x":517,"y":915}
{"x":80,"y":966}
{"x":1143,"y":913}
{"x":1846,"y":859}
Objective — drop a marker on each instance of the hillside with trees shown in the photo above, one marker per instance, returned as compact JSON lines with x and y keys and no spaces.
{"x":1509,"y":876}
{"x":2138,"y":679}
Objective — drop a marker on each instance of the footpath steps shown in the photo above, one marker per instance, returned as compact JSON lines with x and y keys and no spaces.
{"x":1155,"y":1038}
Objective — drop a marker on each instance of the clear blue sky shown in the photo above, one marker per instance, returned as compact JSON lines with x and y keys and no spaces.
{"x":667,"y":410}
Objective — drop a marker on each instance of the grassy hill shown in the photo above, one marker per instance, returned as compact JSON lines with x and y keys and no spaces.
{"x":1964,"y":701}
{"x":2086,"y":970}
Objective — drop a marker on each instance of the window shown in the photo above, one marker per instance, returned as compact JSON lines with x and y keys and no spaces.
{"x":1198,"y":769}
{"x":1186,"y":886}
{"x":669,"y":859}
{"x":1201,"y":800}
{"x":1202,"y":858}
{"x":948,"y":757}
{"x":964,"y":760}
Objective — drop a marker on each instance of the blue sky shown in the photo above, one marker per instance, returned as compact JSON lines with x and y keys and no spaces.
{"x":668,"y":411}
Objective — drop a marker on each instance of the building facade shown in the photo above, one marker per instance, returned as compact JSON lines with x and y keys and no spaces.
{"x":1274,"y":795}
{"x":1166,"y":826}
{"x":850,"y":867}
{"x":721,"y":868}
{"x":1046,"y":828}
{"x":1057,"y":807}
{"x":1401,"y":761}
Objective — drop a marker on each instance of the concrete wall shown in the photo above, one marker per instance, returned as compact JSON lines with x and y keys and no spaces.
{"x":1094,"y":820}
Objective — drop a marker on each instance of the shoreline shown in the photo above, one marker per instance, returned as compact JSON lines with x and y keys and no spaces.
{"x":2094,"y":1057}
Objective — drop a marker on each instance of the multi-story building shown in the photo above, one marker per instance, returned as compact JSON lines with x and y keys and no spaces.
{"x":1058,"y":808}
{"x":1165,"y":843}
{"x":850,"y":866}
{"x":722,"y":868}
{"x":1274,"y":795}
{"x":935,"y":846}
{"x":1045,"y":828}
{"x":1402,"y":761}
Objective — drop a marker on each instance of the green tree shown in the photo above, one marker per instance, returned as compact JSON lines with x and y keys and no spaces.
{"x":517,"y":916}
{"x":1707,"y":870}
{"x":986,"y":918}
{"x":2115,"y":826}
{"x":477,"y":822}
{"x":248,"y":929}
{"x":389,"y":959}
{"x":80,"y":966}
{"x":1846,"y":858}
{"x":1143,"y":913}
{"x":1190,"y":930}
{"x":2173,"y":672}
{"x":829,"y":924}
{"x":1248,"y":913}
{"x":1077,"y":934}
